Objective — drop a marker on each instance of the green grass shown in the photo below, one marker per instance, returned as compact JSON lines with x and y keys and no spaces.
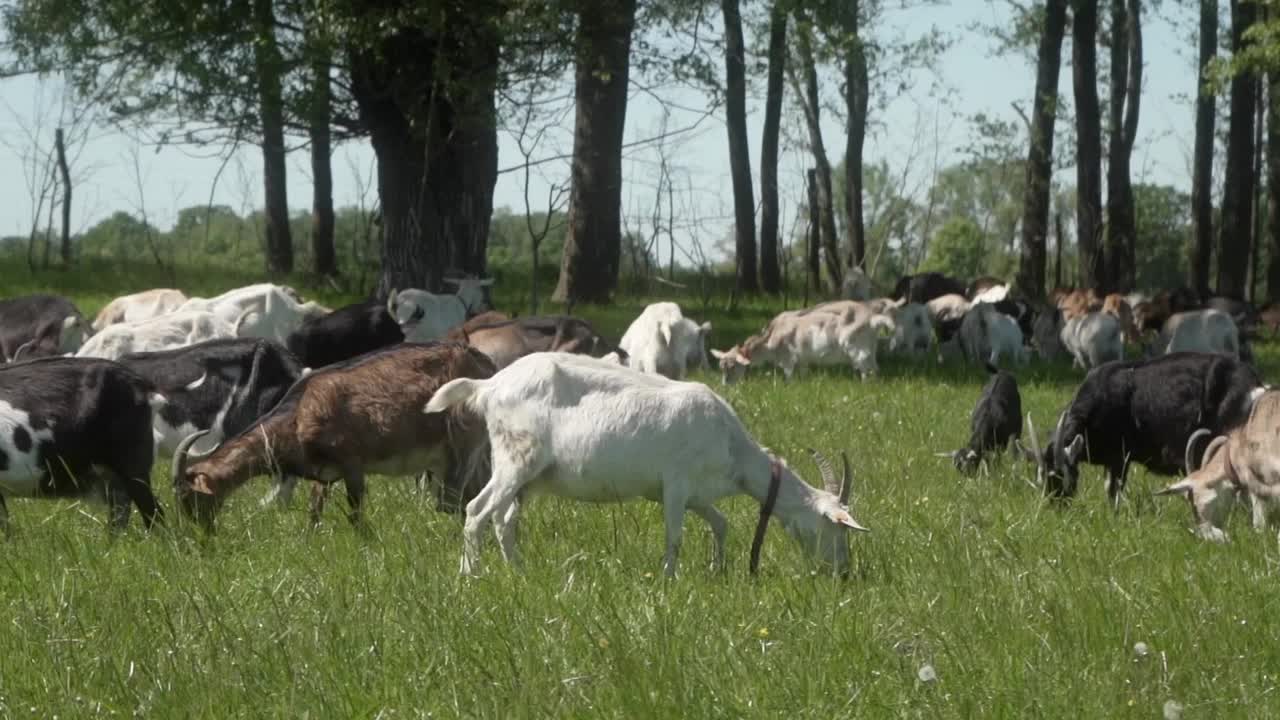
{"x":1024,"y":610}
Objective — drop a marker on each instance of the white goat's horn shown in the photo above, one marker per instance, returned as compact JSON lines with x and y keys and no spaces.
{"x":1189,"y":456}
{"x":846,"y":483}
{"x":182,"y":456}
{"x":828,"y":473}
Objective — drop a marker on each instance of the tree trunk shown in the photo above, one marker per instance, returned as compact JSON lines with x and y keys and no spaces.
{"x":1273,"y":185}
{"x":1202,"y":169}
{"x":1126,"y":93}
{"x":323,"y":257}
{"x":1057,"y":247}
{"x":810,"y":103}
{"x":1237,"y":193}
{"x":744,"y":204}
{"x":269,"y":67}
{"x":59,"y":144}
{"x":1259,"y":208}
{"x":593,"y":243}
{"x":813,"y":237}
{"x":427,"y":97}
{"x":856,"y":97}
{"x":1084,"y":55}
{"x":770,"y":273}
{"x":1035,"y":201}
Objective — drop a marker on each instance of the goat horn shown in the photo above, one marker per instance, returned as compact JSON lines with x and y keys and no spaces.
{"x":1189,"y":456}
{"x":828,"y":474}
{"x":1035,"y":439}
{"x":846,"y":483}
{"x":182,"y":456}
{"x":391,"y":303}
{"x":1211,"y":448}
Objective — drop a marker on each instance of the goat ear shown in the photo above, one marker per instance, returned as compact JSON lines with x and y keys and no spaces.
{"x":1182,"y":486}
{"x":717,"y":354}
{"x":842,"y":517}
{"x":201,"y":485}
{"x":705,"y":328}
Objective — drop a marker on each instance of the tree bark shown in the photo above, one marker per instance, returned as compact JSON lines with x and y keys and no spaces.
{"x":744,"y":204}
{"x":1035,"y":201}
{"x":813,"y":236}
{"x":810,"y":104}
{"x":770,"y":272}
{"x":1126,"y":94}
{"x":1084,"y":53}
{"x":1273,"y":185}
{"x":593,"y":244}
{"x":1237,"y":194}
{"x":1202,"y":164}
{"x":269,"y":67}
{"x":323,"y":257}
{"x":1259,"y":209}
{"x":856,"y":97}
{"x":427,"y":96}
{"x":59,"y":144}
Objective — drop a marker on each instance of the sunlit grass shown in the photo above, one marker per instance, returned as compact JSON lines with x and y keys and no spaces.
{"x":1022,"y":610}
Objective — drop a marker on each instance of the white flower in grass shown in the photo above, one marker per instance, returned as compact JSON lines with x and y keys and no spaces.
{"x":1141,"y":650}
{"x":927,"y":674}
{"x":1172,"y":710}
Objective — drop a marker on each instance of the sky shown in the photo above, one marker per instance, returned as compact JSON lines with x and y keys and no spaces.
{"x":909,"y":129}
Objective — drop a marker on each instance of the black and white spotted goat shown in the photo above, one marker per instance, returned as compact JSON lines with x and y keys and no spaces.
{"x":78,"y":428}
{"x":996,"y":421}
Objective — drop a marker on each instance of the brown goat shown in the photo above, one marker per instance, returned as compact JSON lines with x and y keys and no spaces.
{"x":489,"y":317}
{"x":344,"y":420}
{"x":1115,"y":305}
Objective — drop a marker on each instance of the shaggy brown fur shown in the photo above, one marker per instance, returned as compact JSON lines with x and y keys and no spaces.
{"x":348,"y":419}
{"x":491,"y":317}
{"x":1115,"y":304}
{"x":507,"y":341}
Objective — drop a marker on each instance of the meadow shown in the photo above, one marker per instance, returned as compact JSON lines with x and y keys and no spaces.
{"x":1021,"y":609}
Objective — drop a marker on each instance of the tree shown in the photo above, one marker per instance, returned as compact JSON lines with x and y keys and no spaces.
{"x":957,"y":249}
{"x":1084,"y":60}
{"x":1273,"y":184}
{"x":1163,"y":219}
{"x":857,"y":98}
{"x":269,"y":68}
{"x":323,"y":257}
{"x":1238,"y":190}
{"x":1035,"y":204}
{"x":1126,"y":94}
{"x":1202,"y":164}
{"x":770,"y":274}
{"x":744,"y":204}
{"x":589,"y":266}
{"x":810,"y":104}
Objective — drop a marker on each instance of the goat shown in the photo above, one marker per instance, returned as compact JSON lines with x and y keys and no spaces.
{"x":913,"y":333}
{"x":674,"y":442}
{"x":797,"y":339}
{"x":996,"y":421}
{"x":1198,"y":331}
{"x":1143,"y":411}
{"x":508,"y":340}
{"x":663,"y":341}
{"x":276,"y":313}
{"x":165,"y":332}
{"x":33,"y":326}
{"x":77,"y":427}
{"x":986,"y":335}
{"x":345,"y":333}
{"x":342,"y":421}
{"x":855,"y":285}
{"x":139,"y":306}
{"x":1092,"y":339}
{"x":923,"y":287}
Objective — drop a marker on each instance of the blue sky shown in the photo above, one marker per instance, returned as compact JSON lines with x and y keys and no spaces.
{"x":908,"y":134}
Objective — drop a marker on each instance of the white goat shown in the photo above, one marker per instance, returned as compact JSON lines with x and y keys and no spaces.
{"x":1211,"y":331}
{"x":663,"y":341}
{"x":855,"y":285}
{"x":139,"y":306}
{"x":424,"y":316}
{"x":1092,"y":339}
{"x":800,"y":338}
{"x":673,"y":442}
{"x":993,"y":294}
{"x":947,"y":308}
{"x":276,"y":311}
{"x":174,"y":330}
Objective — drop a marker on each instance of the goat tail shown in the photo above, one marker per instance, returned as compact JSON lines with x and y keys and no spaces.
{"x":451,"y":394}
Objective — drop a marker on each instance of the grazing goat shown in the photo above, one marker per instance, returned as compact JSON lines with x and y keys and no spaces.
{"x":139,"y":306}
{"x":507,"y":341}
{"x":1144,"y":411}
{"x":35,"y":326}
{"x":1092,"y":339}
{"x":674,"y":442}
{"x":78,"y":427}
{"x":1119,"y":308}
{"x":276,"y":311}
{"x":923,"y":287}
{"x":663,"y":341}
{"x":800,"y":338}
{"x":1245,"y":461}
{"x":996,"y":421}
{"x":166,"y":332}
{"x":347,"y":332}
{"x":986,"y":335}
{"x":1047,"y":333}
{"x":342,"y":421}
{"x":1211,"y":331}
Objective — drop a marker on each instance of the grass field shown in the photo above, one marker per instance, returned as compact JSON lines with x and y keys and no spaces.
{"x":1022,"y":610}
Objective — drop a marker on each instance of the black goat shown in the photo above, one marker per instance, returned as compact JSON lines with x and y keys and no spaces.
{"x":996,"y":421}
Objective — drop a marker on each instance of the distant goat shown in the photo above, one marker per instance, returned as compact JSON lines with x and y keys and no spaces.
{"x":664,"y":342}
{"x":33,"y":326}
{"x":996,"y":421}
{"x":508,"y":340}
{"x":342,"y":421}
{"x":139,"y":306}
{"x":1092,"y":339}
{"x":801,"y":338}
{"x":1199,"y":331}
{"x":673,"y":442}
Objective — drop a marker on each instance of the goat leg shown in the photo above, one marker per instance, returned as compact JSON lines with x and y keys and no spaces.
{"x":355,"y":494}
{"x":319,"y":493}
{"x":4,"y":519}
